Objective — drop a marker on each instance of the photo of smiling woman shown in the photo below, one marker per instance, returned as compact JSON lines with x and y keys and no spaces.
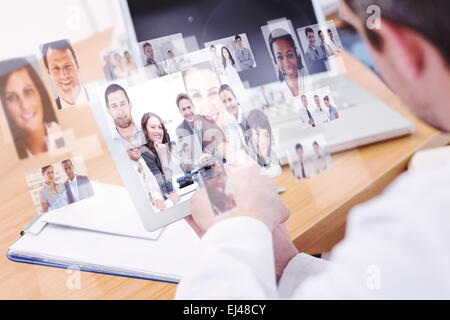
{"x":27,"y":106}
{"x":156,"y":154}
{"x":53,"y":195}
{"x":291,"y":71}
{"x":258,"y":133}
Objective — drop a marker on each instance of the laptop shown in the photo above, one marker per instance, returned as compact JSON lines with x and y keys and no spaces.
{"x":363,"y":119}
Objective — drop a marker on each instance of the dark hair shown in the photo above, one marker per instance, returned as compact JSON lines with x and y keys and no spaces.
{"x":227,"y":88}
{"x":326,"y":98}
{"x":281,"y":34}
{"x":308,"y":30}
{"x":125,"y":52}
{"x":212,"y":46}
{"x":298,"y":146}
{"x":7,"y":67}
{"x":224,"y":61}
{"x":180,"y":97}
{"x":44,"y":168}
{"x":237,"y":37}
{"x":57,"y":45}
{"x":114,"y":88}
{"x":315,"y":143}
{"x":150,"y":144}
{"x":146,"y":44}
{"x":258,"y":119}
{"x":303,"y":95}
{"x":316,"y":96}
{"x":421,"y":16}
{"x":67,"y":160}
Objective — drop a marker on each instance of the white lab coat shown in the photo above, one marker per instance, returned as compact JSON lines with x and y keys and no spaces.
{"x":397,"y":246}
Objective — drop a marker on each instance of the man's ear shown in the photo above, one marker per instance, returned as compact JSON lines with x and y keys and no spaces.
{"x":403,"y":45}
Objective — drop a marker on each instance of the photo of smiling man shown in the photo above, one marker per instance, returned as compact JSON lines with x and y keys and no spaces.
{"x":62,"y":66}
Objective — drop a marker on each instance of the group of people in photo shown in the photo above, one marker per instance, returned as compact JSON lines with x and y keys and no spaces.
{"x":54,"y":195}
{"x":319,"y":114}
{"x":212,"y":117}
{"x":305,"y":166}
{"x":117,"y":65}
{"x":171,"y":63}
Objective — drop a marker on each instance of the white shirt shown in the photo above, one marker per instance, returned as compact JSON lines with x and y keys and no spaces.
{"x":397,"y":246}
{"x":323,"y":163}
{"x":320,"y":115}
{"x":148,"y":180}
{"x":81,"y":100}
{"x":304,"y":118}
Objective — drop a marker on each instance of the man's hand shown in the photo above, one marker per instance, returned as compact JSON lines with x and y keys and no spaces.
{"x":159,"y":204}
{"x":174,"y":197}
{"x":255,"y":195}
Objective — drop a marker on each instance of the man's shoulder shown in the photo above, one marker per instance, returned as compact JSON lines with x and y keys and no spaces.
{"x":82,"y":178}
{"x":412,"y":196}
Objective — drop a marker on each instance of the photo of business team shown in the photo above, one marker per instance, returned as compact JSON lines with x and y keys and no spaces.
{"x":212,"y":118}
{"x":118,"y":64}
{"x":163,"y":56}
{"x":62,"y":66}
{"x":317,"y":108}
{"x":58,"y":185}
{"x":28,"y":108}
{"x":235,"y":52}
{"x":321,"y":42}
{"x":309,"y":158}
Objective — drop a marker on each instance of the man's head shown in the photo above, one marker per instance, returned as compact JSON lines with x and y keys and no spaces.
{"x":304,"y":101}
{"x":317,"y":101}
{"x":118,"y":106}
{"x":326,"y":100}
{"x":186,"y":108}
{"x":316,"y":148}
{"x":321,"y":36}
{"x":310,"y":36}
{"x":411,"y":50}
{"x":299,"y":151}
{"x":68,"y":168}
{"x":134,"y":152}
{"x":62,"y":66}
{"x":238,"y":41}
{"x":148,"y":51}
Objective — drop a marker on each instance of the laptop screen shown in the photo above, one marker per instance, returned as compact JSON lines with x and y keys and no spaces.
{"x":208,"y":20}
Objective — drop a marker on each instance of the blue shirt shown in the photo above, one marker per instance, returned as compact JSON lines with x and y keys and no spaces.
{"x":332,"y":112}
{"x":52,"y":199}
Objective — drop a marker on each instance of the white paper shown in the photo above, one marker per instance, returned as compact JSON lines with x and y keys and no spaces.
{"x":110,"y":210}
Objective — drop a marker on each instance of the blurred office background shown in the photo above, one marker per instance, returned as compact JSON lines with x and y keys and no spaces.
{"x":47,"y":20}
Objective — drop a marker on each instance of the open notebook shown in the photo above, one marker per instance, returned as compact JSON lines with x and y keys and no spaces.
{"x":123,"y":247}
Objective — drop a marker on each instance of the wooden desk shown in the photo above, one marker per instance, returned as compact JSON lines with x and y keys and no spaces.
{"x":318,"y":208}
